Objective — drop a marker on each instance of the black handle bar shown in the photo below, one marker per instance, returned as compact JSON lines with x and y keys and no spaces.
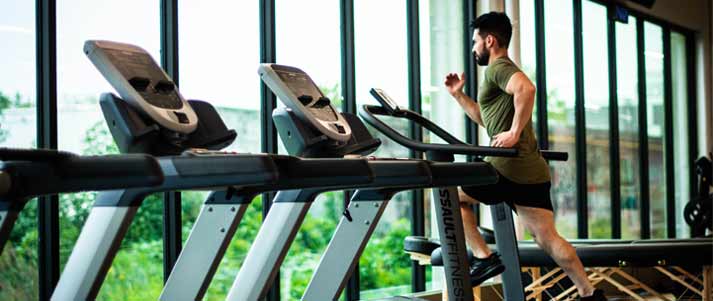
{"x":554,"y":156}
{"x":454,"y":146}
{"x":20,"y":154}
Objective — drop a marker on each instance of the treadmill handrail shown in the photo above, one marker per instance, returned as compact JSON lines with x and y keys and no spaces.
{"x":455,"y":146}
{"x":64,"y":172}
{"x":37,"y":154}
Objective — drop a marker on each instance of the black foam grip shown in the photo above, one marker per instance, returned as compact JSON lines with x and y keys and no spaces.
{"x":18,"y":154}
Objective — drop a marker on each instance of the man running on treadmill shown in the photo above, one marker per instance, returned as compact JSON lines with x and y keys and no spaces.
{"x":504,"y":108}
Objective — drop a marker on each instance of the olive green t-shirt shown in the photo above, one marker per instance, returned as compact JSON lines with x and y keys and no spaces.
{"x":497,"y":109}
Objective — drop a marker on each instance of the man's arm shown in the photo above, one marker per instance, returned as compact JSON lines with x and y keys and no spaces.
{"x":524,"y":97}
{"x":471,"y":108}
{"x":455,"y":84}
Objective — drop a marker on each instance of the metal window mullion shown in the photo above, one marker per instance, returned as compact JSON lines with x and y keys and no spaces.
{"x":172,"y":239}
{"x":169,"y":38}
{"x":669,"y":172}
{"x":580,"y":124}
{"x":692,"y":110}
{"x":268,"y":102}
{"x":46,"y":85}
{"x":471,"y":86}
{"x":643,"y":133}
{"x":471,"y":69}
{"x":418,"y":272}
{"x":541,"y":75}
{"x":346,"y":13}
{"x":348,"y":84}
{"x":614,"y":156}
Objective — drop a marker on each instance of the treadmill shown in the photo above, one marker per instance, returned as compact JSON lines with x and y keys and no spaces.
{"x":455,"y":258}
{"x":151,"y":116}
{"x":310,"y":126}
{"x":29,"y":173}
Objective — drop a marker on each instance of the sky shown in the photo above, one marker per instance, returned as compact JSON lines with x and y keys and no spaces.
{"x":219,"y":46}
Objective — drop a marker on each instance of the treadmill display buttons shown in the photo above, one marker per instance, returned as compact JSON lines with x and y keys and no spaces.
{"x":321,"y":102}
{"x":140,"y":68}
{"x":139,"y":83}
{"x":305,"y":99}
{"x":301,"y":84}
{"x":182,"y":118}
{"x":164,"y":87}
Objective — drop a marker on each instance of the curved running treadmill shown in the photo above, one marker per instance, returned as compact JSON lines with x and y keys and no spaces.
{"x":310,"y":126}
{"x":235,"y":178}
{"x":454,"y":251}
{"x":29,"y":173}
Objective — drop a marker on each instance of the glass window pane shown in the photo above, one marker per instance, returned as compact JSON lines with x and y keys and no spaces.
{"x":441,"y":30}
{"x":18,"y":112}
{"x":653,"y":53}
{"x":381,"y":61}
{"x":310,"y":41}
{"x":203,"y":69}
{"x":560,"y":112}
{"x":628,"y":101}
{"x":137,"y":269}
{"x":528,"y":58}
{"x":596,"y":106}
{"x":681,"y":142}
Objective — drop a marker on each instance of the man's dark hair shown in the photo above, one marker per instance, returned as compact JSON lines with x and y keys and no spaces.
{"x":496,"y":24}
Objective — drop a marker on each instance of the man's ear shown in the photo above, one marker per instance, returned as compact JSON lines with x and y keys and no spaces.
{"x":489,"y":41}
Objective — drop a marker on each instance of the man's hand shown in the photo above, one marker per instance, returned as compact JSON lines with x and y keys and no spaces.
{"x":454,"y":84}
{"x":505,"y":139}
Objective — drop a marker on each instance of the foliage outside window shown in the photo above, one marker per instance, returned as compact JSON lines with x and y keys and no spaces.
{"x":18,"y":260}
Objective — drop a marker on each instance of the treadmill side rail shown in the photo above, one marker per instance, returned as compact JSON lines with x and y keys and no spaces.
{"x":207,"y":242}
{"x":95,"y":248}
{"x":271,"y":244}
{"x":7,"y":221}
{"x":346,"y":246}
{"x":507,"y":246}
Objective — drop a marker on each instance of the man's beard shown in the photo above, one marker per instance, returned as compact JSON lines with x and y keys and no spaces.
{"x":482,"y":58}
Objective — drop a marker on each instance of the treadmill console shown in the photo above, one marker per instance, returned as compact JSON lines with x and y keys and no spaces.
{"x":142,"y":83}
{"x":299,"y":93}
{"x":385,"y":100}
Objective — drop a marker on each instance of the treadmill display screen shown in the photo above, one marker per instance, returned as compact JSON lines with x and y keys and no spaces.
{"x":300,"y":84}
{"x":385,"y":99}
{"x":146,"y":78}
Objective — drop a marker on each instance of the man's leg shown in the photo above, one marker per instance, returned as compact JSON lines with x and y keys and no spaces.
{"x":541,"y":224}
{"x":470,"y":226}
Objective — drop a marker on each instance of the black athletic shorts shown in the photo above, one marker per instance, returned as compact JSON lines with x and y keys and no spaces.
{"x":530,"y":195}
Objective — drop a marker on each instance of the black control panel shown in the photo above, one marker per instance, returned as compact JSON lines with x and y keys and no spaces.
{"x":307,"y":93}
{"x":139,"y":69}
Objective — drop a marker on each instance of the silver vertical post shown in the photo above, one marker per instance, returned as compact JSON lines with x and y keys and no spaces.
{"x":450,"y":230}
{"x":7,"y":221}
{"x":207,"y":242}
{"x":346,"y":246}
{"x":95,"y":249}
{"x":271,"y":245}
{"x":507,"y":246}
